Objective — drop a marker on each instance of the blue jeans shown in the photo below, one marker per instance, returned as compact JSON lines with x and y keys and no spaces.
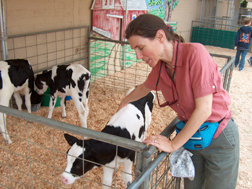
{"x":243,"y":54}
{"x":250,"y":61}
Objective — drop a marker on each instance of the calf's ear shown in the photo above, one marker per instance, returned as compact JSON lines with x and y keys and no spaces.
{"x":70,"y":139}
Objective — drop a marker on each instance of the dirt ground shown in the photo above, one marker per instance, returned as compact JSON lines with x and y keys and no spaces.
{"x":241,"y":101}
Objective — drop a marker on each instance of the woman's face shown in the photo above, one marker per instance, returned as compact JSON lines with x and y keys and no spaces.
{"x":149,"y":50}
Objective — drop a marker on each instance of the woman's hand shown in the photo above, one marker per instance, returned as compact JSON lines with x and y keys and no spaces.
{"x":199,"y":115}
{"x":122,"y":104}
{"x":161,"y":142}
{"x":139,"y":92}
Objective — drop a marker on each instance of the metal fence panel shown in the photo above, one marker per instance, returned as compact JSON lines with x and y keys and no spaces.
{"x":48,"y":48}
{"x":214,"y":34}
{"x":113,"y":63}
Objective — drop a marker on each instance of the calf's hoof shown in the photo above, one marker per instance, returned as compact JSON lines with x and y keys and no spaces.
{"x":128,"y":183}
{"x":8,"y":140}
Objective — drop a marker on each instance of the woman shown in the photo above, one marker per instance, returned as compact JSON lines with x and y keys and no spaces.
{"x":191,"y":84}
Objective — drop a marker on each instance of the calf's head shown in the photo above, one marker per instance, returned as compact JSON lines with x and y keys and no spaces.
{"x":41,"y":82}
{"x":35,"y":98}
{"x":75,"y":169}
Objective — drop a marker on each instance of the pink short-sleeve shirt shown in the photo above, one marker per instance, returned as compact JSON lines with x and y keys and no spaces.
{"x":197,"y":75}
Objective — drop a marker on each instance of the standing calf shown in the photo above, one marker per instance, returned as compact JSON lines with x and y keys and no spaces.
{"x":72,"y":80}
{"x":16,"y":76}
{"x":129,"y":122}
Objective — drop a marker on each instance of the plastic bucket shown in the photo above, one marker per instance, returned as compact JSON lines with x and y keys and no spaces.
{"x":46,"y":99}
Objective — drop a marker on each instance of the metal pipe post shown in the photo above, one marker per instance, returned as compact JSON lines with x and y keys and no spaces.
{"x":3,"y":31}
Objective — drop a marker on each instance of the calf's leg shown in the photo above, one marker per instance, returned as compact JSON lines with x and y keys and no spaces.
{"x":85,"y":100}
{"x":3,"y":126}
{"x":51,"y":105}
{"x":81,"y":111}
{"x":28,"y":102}
{"x":127,"y":174}
{"x":63,"y":105}
{"x":107,"y":177}
{"x":18,"y":100}
{"x":86,"y":111}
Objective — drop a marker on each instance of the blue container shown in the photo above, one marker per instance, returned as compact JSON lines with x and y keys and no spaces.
{"x":68,"y":98}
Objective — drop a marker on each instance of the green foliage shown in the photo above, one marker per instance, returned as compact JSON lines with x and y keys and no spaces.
{"x":175,"y":3}
{"x":161,"y":9}
{"x":159,"y":2}
{"x":151,"y":3}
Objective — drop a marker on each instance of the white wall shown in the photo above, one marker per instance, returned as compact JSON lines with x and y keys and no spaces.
{"x":184,"y":13}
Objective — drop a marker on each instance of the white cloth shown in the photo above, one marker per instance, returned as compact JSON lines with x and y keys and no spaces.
{"x":181,"y":164}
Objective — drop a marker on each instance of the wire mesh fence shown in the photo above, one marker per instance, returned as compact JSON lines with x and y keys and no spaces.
{"x":114,"y":63}
{"x":48,"y":48}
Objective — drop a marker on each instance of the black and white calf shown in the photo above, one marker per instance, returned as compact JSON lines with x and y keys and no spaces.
{"x":63,"y":80}
{"x":16,"y":76}
{"x":129,"y":122}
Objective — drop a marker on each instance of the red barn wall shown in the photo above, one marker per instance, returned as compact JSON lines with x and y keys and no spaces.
{"x":107,"y":23}
{"x":98,"y":4}
{"x":136,"y":12}
{"x":110,"y":24}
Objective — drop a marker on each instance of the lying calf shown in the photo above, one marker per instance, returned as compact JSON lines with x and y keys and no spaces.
{"x":129,"y":122}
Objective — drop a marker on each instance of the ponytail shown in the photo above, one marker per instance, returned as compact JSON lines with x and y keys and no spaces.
{"x":175,"y":37}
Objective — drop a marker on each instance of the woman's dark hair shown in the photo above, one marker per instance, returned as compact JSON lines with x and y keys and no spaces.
{"x":147,"y":25}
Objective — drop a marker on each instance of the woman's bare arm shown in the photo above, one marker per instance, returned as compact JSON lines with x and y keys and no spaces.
{"x":139,"y":92}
